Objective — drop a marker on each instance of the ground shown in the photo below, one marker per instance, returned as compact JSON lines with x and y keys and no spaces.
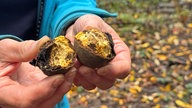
{"x":159,"y":35}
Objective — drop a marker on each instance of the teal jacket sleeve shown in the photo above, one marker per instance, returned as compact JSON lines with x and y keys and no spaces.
{"x":63,"y":104}
{"x":10,"y":37}
{"x":59,"y":14}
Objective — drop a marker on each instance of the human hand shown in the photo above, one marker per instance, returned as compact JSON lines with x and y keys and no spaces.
{"x":23,"y":85}
{"x":103,"y":77}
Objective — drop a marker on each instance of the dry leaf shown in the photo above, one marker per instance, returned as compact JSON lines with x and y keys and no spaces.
{"x":189,"y":25}
{"x":161,"y":57}
{"x":103,"y":106}
{"x":182,"y":104}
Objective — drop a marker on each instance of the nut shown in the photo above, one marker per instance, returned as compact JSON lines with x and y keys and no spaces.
{"x":94,"y":48}
{"x":56,"y":56}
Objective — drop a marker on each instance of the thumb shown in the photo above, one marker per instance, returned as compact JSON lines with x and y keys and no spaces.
{"x":14,"y":51}
{"x":45,"y":88}
{"x":86,"y":21}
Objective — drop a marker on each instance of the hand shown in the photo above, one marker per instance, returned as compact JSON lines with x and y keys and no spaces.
{"x":23,"y":85}
{"x":103,"y":77}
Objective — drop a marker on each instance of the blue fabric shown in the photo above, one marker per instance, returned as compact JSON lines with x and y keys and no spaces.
{"x":63,"y":104}
{"x":59,"y":14}
{"x":10,"y":37}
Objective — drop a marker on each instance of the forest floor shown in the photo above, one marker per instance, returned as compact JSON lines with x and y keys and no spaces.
{"x":159,"y":35}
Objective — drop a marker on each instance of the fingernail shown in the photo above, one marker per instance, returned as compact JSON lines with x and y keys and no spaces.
{"x":73,"y":70}
{"x":41,"y":41}
{"x":58,"y":81}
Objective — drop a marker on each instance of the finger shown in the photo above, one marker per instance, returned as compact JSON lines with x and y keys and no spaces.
{"x":8,"y":68}
{"x":81,"y":81}
{"x":77,"y":80}
{"x":91,"y":76}
{"x":84,"y":21}
{"x":14,"y":51}
{"x":64,"y":87}
{"x":44,"y":89}
{"x":8,"y":86}
{"x":115,"y":70}
{"x":70,"y":34}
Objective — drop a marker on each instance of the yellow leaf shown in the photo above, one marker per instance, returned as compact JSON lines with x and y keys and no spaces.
{"x":145,"y":99}
{"x":123,"y":39}
{"x":162,"y":57}
{"x":164,"y":74}
{"x":164,"y":31}
{"x":103,"y":106}
{"x":157,"y":62}
{"x":153,"y":79}
{"x":148,"y":54}
{"x":157,"y":99}
{"x":131,"y":42}
{"x":126,"y":79}
{"x":180,"y":54}
{"x":145,"y":45}
{"x":116,"y":99}
{"x":132,"y":72}
{"x":182,"y":104}
{"x":136,"y":16}
{"x":190,"y":76}
{"x":150,"y":50}
{"x":190,"y":57}
{"x":131,"y":78}
{"x":173,"y":51}
{"x":181,"y":94}
{"x":139,"y":89}
{"x":167,"y":88}
{"x":93,"y":91}
{"x":83,"y":99}
{"x":171,"y":39}
{"x":121,"y":101}
{"x":133,"y":90}
{"x":189,"y":25}
{"x":114,"y":92}
{"x":165,"y":48}
{"x":156,"y":47}
{"x":157,"y":106}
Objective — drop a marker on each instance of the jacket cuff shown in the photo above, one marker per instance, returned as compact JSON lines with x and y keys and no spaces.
{"x":60,"y":24}
{"x":10,"y":37}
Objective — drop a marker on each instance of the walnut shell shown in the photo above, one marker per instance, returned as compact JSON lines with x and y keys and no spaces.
{"x":94,"y":48}
{"x":56,"y":56}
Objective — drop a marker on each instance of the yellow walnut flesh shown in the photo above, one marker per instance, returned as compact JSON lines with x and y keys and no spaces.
{"x":61,"y":53}
{"x":96,"y":41}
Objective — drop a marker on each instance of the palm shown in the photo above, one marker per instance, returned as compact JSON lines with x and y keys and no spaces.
{"x":26,"y":74}
{"x":23,"y":85}
{"x":23,"y":78}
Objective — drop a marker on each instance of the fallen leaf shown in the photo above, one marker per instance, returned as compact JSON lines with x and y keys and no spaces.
{"x":182,"y":104}
{"x":114,"y":92}
{"x":171,"y":39}
{"x":153,"y":79}
{"x":190,"y":57}
{"x":161,"y":57}
{"x":157,"y":106}
{"x":189,"y":25}
{"x":103,"y":106}
{"x":167,"y":88}
{"x":145,"y":45}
